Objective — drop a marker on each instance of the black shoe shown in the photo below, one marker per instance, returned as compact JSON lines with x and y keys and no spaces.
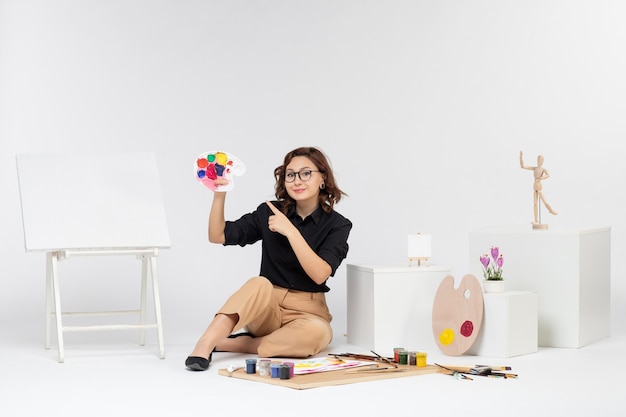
{"x":196,"y":363}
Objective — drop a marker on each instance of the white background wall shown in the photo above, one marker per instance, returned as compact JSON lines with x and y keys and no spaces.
{"x":422,"y":106}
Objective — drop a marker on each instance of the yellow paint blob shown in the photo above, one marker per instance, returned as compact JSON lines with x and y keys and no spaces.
{"x":446,"y":337}
{"x":221,"y":158}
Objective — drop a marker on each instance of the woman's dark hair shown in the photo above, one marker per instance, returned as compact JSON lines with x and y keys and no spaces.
{"x":328,"y":196}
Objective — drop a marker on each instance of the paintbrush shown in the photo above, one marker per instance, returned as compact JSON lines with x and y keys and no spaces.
{"x":454,"y":373}
{"x":501,"y":375}
{"x":357,"y":356}
{"x":386,"y":360}
{"x":478,"y":369}
{"x":495,"y":368}
{"x":376,"y":368}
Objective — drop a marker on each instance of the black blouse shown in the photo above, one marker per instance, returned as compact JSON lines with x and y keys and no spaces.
{"x":326,"y":234}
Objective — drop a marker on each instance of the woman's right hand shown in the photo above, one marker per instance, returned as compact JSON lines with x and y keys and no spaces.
{"x":213,"y":185}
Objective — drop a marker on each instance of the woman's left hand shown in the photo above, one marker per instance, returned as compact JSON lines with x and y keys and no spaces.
{"x":278,"y":222}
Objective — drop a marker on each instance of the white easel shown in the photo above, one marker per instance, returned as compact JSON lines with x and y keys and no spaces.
{"x":94,"y":205}
{"x":419,"y":248}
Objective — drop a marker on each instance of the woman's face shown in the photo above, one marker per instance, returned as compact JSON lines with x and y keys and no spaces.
{"x":302,"y":179}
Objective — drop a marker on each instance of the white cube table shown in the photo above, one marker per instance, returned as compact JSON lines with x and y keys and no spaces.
{"x":569,"y":269}
{"x":391,"y":306}
{"x":509,"y":326}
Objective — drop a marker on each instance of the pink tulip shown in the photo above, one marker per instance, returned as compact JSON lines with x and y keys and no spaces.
{"x":485,"y":260}
{"x":494,"y":252}
{"x":500,"y":261}
{"x":492,"y":270}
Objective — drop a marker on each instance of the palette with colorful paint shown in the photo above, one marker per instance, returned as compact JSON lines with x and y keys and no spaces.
{"x":457,"y":314}
{"x":215,"y":170}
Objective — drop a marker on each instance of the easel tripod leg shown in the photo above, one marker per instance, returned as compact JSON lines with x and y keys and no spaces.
{"x":157,"y":306}
{"x":57,"y":305}
{"x":144,"y":286}
{"x":48,"y":297}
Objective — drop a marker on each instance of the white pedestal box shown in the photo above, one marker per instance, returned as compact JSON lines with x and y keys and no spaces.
{"x":509,"y":325}
{"x":391,"y":307}
{"x":571,"y":272}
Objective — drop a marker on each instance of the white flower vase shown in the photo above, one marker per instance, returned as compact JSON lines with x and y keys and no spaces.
{"x":493,"y":286}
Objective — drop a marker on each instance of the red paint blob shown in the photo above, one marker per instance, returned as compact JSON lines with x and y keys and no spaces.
{"x":211,"y":173}
{"x":202,"y":163}
{"x":467,"y":328}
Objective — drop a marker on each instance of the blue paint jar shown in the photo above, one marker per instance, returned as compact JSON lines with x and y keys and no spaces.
{"x":275,"y":370}
{"x":251,"y":366}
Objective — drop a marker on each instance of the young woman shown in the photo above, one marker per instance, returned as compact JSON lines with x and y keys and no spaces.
{"x":304,"y":240}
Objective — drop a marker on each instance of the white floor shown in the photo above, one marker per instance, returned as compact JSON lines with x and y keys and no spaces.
{"x":119,"y":378}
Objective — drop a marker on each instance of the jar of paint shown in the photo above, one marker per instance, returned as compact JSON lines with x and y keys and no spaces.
{"x":251,"y":366}
{"x":284,"y":371}
{"x":420,"y":358}
{"x":264,"y":367}
{"x":291,"y":368}
{"x":395,"y":354}
{"x":275,"y":370}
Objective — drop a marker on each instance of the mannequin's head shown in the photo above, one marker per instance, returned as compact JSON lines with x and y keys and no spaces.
{"x":540,"y":160}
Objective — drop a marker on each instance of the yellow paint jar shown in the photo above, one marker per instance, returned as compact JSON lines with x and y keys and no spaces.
{"x":420,"y":358}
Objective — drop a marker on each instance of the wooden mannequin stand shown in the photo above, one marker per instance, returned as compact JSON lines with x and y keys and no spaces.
{"x":538,"y":225}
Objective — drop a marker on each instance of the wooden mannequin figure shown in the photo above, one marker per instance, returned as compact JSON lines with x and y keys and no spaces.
{"x":540,"y":174}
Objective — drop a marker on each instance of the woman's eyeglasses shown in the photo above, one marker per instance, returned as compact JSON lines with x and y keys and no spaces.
{"x":304,"y":175}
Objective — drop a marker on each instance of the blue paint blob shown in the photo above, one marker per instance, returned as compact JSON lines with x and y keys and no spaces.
{"x":219,"y":169}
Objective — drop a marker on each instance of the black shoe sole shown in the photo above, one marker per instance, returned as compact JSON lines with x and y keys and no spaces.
{"x":236,"y":335}
{"x":196,"y":363}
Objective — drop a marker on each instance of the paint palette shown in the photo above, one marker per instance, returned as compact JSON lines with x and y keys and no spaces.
{"x":215,"y":170}
{"x":457,"y":314}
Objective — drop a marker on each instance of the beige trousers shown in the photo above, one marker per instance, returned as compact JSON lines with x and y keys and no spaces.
{"x":290,"y":323}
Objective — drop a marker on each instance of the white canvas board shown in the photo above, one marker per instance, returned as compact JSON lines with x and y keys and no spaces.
{"x":91,"y":201}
